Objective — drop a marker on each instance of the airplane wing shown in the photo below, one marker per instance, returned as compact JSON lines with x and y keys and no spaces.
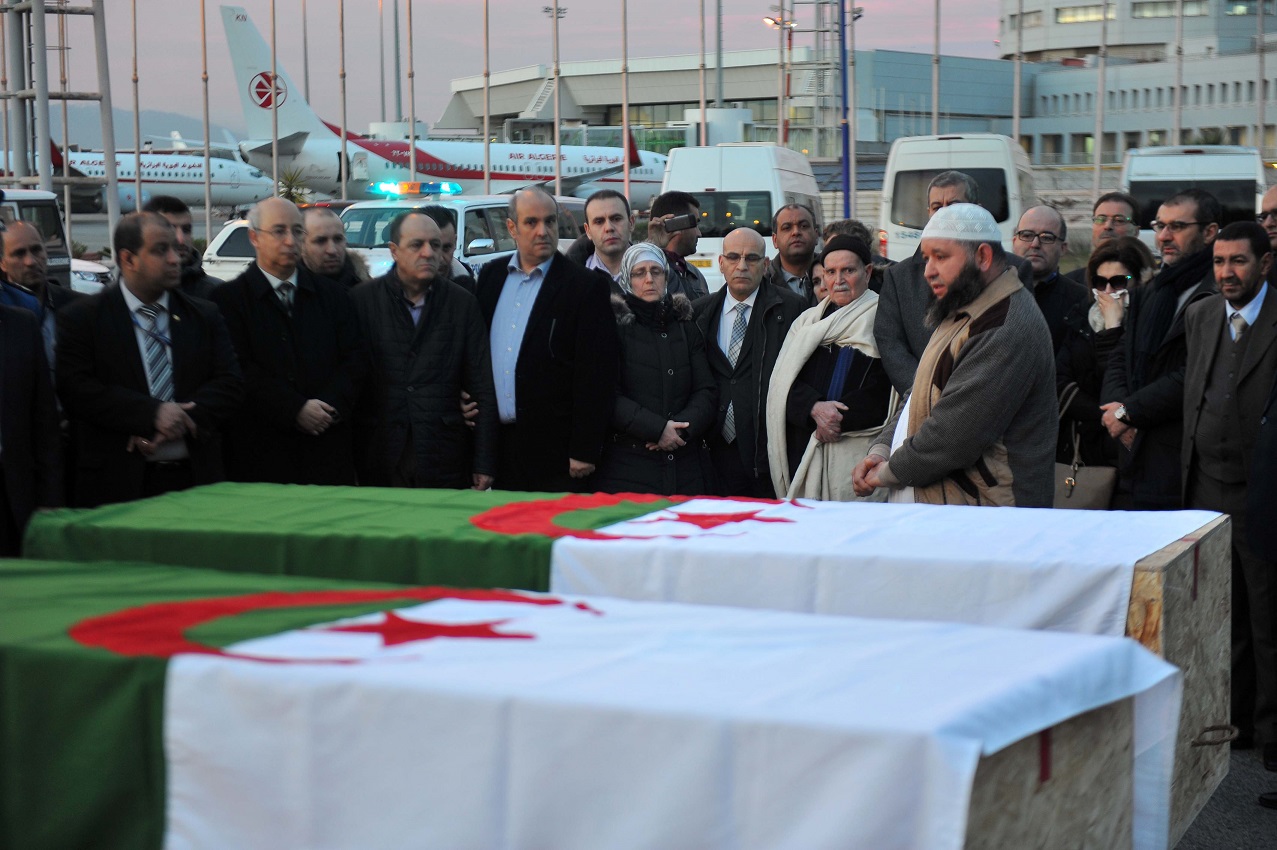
{"x":290,"y":145}
{"x":571,"y":184}
{"x":180,"y":143}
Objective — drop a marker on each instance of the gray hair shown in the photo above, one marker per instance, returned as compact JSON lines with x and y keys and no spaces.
{"x":945,"y":179}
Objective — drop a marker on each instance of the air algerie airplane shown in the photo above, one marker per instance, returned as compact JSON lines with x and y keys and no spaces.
{"x":233,"y":183}
{"x":313,"y":146}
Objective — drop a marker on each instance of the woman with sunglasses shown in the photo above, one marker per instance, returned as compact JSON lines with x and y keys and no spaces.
{"x":1093,"y":333}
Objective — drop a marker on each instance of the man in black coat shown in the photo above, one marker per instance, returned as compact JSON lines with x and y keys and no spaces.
{"x":195,"y":281}
{"x":27,"y":284}
{"x":304,"y":361}
{"x":1143,"y":393}
{"x":427,"y":342}
{"x":30,"y":448}
{"x":147,"y":375}
{"x":555,"y":354}
{"x":744,"y":324}
{"x":323,"y":250}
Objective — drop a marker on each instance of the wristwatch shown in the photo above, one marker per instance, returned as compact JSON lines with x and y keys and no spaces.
{"x":1120,"y":415}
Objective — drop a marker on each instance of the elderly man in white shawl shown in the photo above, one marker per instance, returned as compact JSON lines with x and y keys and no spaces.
{"x":829,"y":392}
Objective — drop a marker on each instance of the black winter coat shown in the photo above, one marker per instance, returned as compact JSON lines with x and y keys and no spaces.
{"x":417,"y":375}
{"x":1083,"y":356}
{"x":664,"y":376}
{"x":1149,"y":474}
{"x":316,"y":352}
{"x":745,"y":384}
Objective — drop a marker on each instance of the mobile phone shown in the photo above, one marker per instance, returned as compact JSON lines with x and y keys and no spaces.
{"x":679,"y":222}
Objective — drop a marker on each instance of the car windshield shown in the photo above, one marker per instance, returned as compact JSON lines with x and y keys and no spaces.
{"x":723,"y":212}
{"x":1236,"y":197}
{"x":909,"y":194}
{"x":368,"y":228}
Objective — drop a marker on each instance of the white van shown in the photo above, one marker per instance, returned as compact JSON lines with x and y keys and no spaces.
{"x":739,"y":185}
{"x":999,"y":166}
{"x":1233,"y":174}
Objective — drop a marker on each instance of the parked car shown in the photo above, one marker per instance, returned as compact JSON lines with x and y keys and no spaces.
{"x":229,"y":253}
{"x":481,"y":237}
{"x":89,"y":277}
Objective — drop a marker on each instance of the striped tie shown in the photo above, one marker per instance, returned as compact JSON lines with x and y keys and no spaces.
{"x":285,"y":293}
{"x":733,"y":354}
{"x":158,"y":370}
{"x":1239,"y":323}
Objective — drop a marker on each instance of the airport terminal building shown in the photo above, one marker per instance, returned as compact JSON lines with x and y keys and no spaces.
{"x":1221,"y":92}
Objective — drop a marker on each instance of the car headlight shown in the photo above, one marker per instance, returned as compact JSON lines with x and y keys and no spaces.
{"x":88,"y":277}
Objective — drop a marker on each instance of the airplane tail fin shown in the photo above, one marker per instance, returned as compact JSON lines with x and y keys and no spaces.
{"x":250,"y":57}
{"x":636,"y":157}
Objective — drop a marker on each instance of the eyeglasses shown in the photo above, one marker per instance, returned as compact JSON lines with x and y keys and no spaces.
{"x":1115,"y":220}
{"x":654,"y":274}
{"x":281,"y":231}
{"x":1046,"y":237}
{"x":750,"y":259}
{"x":1265,"y":215}
{"x":1174,"y":226}
{"x":1117,"y":281}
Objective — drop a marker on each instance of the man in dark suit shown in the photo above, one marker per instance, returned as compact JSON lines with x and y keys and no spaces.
{"x":744,"y":325}
{"x":146,"y":374}
{"x":1232,"y":363}
{"x":555,"y":354}
{"x":298,"y":340}
{"x":1143,"y":393}
{"x":30,"y":448}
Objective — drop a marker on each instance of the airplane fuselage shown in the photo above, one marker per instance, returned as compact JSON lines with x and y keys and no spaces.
{"x":233,"y":183}
{"x":513,"y":166}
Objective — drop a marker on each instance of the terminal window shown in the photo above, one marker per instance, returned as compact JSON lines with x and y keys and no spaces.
{"x":1083,"y":14}
{"x":1166,"y":9}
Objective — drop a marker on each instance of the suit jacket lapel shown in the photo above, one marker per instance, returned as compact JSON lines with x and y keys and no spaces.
{"x":181,"y":330}
{"x":549,"y":291}
{"x":1263,"y":334}
{"x":121,"y":326}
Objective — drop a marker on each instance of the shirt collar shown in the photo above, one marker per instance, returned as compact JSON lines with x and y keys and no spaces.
{"x":275,"y":282}
{"x":514,"y":265}
{"x":1251,"y":311}
{"x":133,"y":302}
{"x":731,"y":301}
{"x":593,"y":262}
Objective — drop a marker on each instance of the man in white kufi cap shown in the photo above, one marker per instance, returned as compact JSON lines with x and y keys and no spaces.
{"x":979,"y":427}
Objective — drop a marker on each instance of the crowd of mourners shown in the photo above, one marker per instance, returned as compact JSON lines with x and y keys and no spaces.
{"x":962,"y":375}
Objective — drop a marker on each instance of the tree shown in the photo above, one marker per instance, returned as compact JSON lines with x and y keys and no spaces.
{"x":292,"y":186}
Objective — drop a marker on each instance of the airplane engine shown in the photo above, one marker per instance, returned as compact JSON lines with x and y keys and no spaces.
{"x":129,"y":200}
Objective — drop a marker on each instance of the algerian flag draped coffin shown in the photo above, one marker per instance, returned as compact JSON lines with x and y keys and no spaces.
{"x":179,"y":708}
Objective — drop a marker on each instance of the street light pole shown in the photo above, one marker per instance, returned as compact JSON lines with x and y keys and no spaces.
{"x":935,"y":78}
{"x":1100,"y":95}
{"x":780,"y":23}
{"x":556,"y":12}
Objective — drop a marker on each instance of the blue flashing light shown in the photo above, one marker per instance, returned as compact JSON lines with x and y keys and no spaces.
{"x":405,"y":189}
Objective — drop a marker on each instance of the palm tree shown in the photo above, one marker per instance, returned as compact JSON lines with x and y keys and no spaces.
{"x":292,"y":186}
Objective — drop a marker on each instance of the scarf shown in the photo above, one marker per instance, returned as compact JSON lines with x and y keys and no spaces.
{"x":819,"y":475}
{"x":1159,"y":309}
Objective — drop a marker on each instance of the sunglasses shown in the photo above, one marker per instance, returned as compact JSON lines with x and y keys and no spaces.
{"x":1117,"y":281}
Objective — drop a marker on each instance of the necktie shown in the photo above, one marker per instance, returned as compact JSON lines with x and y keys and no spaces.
{"x":733,"y":354}
{"x":158,"y":369}
{"x":1239,"y":324}
{"x":738,"y":333}
{"x":285,"y":292}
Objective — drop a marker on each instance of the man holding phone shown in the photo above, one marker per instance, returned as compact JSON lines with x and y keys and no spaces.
{"x":674,"y":228}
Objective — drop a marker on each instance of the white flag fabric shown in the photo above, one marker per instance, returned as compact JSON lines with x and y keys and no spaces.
{"x":607,"y":723}
{"x":1012,"y":567}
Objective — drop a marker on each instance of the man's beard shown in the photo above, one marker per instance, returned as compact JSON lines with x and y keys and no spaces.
{"x":965,"y":288}
{"x":189,"y":259}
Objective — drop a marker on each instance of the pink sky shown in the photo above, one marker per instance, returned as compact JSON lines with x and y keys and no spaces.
{"x":449,"y":44}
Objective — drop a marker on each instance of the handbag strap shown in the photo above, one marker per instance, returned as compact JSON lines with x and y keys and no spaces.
{"x":1067,"y":395}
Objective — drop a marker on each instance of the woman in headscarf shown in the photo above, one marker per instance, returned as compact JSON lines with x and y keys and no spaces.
{"x":829,"y":392}
{"x":666,"y":397}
